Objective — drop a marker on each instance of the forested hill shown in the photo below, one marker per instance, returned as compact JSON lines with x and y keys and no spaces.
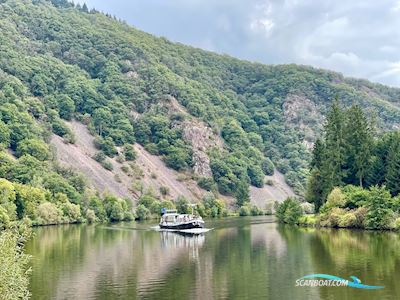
{"x":60,"y":62}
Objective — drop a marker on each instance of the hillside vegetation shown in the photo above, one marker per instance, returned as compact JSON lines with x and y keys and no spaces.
{"x":59,"y":62}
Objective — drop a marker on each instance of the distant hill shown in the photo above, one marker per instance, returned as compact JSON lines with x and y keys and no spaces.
{"x":221,"y":123}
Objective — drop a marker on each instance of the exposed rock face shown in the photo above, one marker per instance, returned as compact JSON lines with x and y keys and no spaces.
{"x":303,"y":114}
{"x":200,"y":137}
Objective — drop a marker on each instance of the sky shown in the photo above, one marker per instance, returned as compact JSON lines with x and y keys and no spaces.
{"x":359,"y":38}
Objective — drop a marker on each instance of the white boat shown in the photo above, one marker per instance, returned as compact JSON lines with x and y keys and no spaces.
{"x":170,"y":219}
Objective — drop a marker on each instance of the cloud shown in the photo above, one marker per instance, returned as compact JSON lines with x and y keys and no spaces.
{"x":360,"y":38}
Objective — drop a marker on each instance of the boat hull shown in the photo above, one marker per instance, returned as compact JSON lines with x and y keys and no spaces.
{"x":189,"y":225}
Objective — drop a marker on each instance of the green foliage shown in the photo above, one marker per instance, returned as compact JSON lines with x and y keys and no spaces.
{"x":336,"y":198}
{"x":379,"y":215}
{"x":142,"y":212}
{"x":212,"y":207}
{"x":289,"y":211}
{"x":48,"y":214}
{"x":244,"y":211}
{"x":35,"y":148}
{"x":268,"y":167}
{"x":15,"y":271}
{"x":206,"y":183}
{"x":130,"y":153}
{"x":183,"y":205}
{"x":116,"y":209}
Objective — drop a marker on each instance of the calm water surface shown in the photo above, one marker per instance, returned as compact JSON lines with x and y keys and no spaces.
{"x":241,"y":258}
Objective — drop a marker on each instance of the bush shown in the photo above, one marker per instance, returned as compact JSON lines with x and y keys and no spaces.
{"x":355,"y":196}
{"x":289,"y":211}
{"x":256,"y":211}
{"x":147,"y":200}
{"x":164,"y":190}
{"x":71,"y":212}
{"x":360,"y":214}
{"x":335,"y":199}
{"x":35,"y":148}
{"x":130,"y":153}
{"x":142,"y":212}
{"x":268,"y":167}
{"x":397,"y":224}
{"x":244,"y":211}
{"x":379,"y":216}
{"x":107,"y":165}
{"x":48,"y":214}
{"x":307,"y":207}
{"x":307,"y":220}
{"x":182,"y":205}
{"x":100,"y":157}
{"x":4,"y":219}
{"x":90,"y":216}
{"x":15,"y":271}
{"x":206,"y":183}
{"x":332,"y":217}
{"x":348,"y":220}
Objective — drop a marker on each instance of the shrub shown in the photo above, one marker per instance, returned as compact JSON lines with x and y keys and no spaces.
{"x":256,"y":211}
{"x":335,"y":199}
{"x":307,"y":220}
{"x":90,"y":216}
{"x":307,"y":207}
{"x":289,"y":211}
{"x":244,"y":211}
{"x":355,"y":196}
{"x":142,"y":212}
{"x":379,"y":216}
{"x":332,"y":217}
{"x":397,"y":224}
{"x":268,"y":167}
{"x":48,"y":214}
{"x":206,"y":183}
{"x":71,"y":212}
{"x":164,"y":190}
{"x":35,"y":148}
{"x":116,"y":212}
{"x":147,"y":200}
{"x":182,"y":205}
{"x":107,"y":165}
{"x":130,"y":153}
{"x":269,"y":182}
{"x":4,"y":219}
{"x":100,"y":157}
{"x":360,"y":214}
{"x":348,"y":220}
{"x":15,"y":271}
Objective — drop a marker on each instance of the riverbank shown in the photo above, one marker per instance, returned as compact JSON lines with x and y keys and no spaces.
{"x":375,"y":213}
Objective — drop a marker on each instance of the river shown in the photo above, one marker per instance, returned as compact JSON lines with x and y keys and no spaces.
{"x":241,"y":258}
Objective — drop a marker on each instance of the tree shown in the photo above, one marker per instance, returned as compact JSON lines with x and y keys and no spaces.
{"x":289,"y":211}
{"x":242,"y":193}
{"x":334,"y":158}
{"x":66,"y":107}
{"x":35,"y":148}
{"x":4,"y":135}
{"x":393,"y":168}
{"x":379,"y":215}
{"x":358,"y":139}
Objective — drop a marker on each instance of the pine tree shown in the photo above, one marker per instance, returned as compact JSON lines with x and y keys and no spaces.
{"x":393,"y":167}
{"x":314,"y":192}
{"x":85,"y":8}
{"x":358,"y":144}
{"x":334,"y":155}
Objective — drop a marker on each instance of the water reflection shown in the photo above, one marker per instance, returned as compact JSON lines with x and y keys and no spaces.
{"x":241,"y":258}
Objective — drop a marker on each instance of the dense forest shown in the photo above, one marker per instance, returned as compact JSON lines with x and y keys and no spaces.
{"x":355,"y":175}
{"x":60,"y":61}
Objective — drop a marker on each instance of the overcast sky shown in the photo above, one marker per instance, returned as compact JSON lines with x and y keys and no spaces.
{"x":360,"y":38}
